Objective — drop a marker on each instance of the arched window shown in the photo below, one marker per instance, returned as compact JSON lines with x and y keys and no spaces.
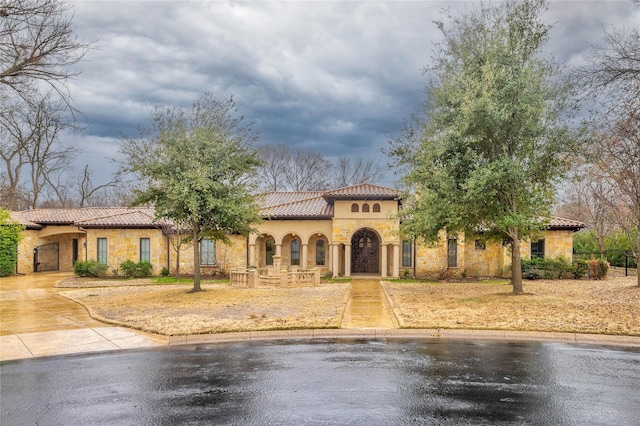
{"x":320,"y":253}
{"x":376,"y":208}
{"x":354,"y":208}
{"x":365,"y":208}
{"x":295,"y":252}
{"x":269,"y":247}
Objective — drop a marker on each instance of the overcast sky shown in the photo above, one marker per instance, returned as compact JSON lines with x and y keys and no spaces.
{"x":334,"y":77}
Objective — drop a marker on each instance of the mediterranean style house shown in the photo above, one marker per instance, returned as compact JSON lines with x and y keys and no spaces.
{"x":342,"y":232}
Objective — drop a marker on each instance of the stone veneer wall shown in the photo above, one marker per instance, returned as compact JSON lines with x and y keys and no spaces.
{"x":124,"y":244}
{"x":233,"y":255}
{"x":387,"y":229}
{"x":25,"y":251}
{"x":31,"y":240}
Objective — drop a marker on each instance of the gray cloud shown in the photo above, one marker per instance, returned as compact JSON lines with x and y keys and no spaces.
{"x":336,"y":77}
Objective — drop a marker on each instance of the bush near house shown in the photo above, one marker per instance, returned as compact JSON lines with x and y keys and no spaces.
{"x":89,"y":268}
{"x":562,"y":268}
{"x":9,"y":239}
{"x":130,"y":269}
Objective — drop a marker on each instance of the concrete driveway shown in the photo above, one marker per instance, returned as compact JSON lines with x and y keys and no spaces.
{"x":36,"y":321}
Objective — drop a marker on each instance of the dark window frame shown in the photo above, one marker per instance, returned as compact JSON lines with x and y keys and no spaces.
{"x":145,"y":255}
{"x":407,"y":253}
{"x":208,"y":256}
{"x":321,"y":252}
{"x":295,"y":253}
{"x":102,"y":251}
{"x":538,"y":249}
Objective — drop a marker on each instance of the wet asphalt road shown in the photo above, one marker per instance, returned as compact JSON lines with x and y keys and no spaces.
{"x":332,"y":382}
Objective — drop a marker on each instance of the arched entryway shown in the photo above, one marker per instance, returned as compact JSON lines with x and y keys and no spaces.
{"x":365,"y":252}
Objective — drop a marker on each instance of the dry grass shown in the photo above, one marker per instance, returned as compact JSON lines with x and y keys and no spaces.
{"x":611,"y":306}
{"x":172,"y":310}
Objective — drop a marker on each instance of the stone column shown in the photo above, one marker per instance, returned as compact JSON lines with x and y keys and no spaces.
{"x":277,"y":262}
{"x":385,"y":256}
{"x":251,"y":262}
{"x":335,"y":261}
{"x":396,"y":261}
{"x":278,"y":250}
{"x":304,"y":264}
{"x":347,"y":260}
{"x":253,"y":278}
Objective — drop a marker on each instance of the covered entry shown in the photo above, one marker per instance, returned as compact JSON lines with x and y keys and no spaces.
{"x":365,"y":252}
{"x":46,"y":257}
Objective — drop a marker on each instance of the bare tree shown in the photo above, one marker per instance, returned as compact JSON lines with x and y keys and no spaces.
{"x":292,"y":169}
{"x":37,"y":43}
{"x":30,"y":145}
{"x":612,"y":78}
{"x":350,"y":172}
{"x":308,"y":171}
{"x":272,"y":171}
{"x":619,"y":160}
{"x":590,"y":201}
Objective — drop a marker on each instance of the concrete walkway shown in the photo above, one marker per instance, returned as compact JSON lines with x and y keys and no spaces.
{"x":368,"y":306}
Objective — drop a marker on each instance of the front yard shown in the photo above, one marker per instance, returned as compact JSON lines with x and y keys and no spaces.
{"x":610,"y":306}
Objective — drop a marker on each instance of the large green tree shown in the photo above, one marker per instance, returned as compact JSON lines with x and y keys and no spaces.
{"x":196,"y":166}
{"x":486,"y":151}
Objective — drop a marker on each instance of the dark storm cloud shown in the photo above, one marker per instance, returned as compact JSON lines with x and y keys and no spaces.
{"x":336,"y":77}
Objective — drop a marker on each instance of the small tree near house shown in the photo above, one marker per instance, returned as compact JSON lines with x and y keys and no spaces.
{"x":198,"y":167}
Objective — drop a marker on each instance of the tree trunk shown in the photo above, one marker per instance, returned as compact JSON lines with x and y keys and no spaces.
{"x":178,"y":263}
{"x":638,"y":256}
{"x":196,"y":260}
{"x":516,"y":266}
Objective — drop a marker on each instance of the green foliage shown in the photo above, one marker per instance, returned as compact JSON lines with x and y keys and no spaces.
{"x":89,"y":268}
{"x":131,"y":269}
{"x":617,"y":246}
{"x":198,"y":166}
{"x":9,"y":238}
{"x":489,"y":147}
{"x":553,"y":269}
{"x":164,"y":272}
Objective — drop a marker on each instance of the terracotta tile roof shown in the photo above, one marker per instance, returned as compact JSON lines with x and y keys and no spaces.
{"x":314,"y":207}
{"x":317,"y":204}
{"x":87,"y":217}
{"x":363,"y":191}
{"x":271,"y":199}
{"x":562,"y":223}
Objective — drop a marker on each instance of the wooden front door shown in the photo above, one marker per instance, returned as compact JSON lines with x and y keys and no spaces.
{"x":365,"y":253}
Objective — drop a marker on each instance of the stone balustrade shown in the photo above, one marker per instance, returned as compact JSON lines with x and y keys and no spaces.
{"x":267,"y":277}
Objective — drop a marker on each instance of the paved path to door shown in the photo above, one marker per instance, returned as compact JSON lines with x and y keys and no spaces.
{"x":369,"y":307}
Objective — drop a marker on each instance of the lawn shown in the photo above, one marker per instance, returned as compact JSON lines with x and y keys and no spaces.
{"x":173,"y":310}
{"x":609,"y":306}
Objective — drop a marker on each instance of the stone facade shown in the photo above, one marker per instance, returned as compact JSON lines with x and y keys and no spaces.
{"x":347,"y":231}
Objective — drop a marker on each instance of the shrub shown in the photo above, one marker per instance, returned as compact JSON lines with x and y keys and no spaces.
{"x":551,"y":269}
{"x":164,"y":272}
{"x":9,"y":239}
{"x":598,"y":269}
{"x":89,"y":268}
{"x":580,"y":269}
{"x":130,"y":269}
